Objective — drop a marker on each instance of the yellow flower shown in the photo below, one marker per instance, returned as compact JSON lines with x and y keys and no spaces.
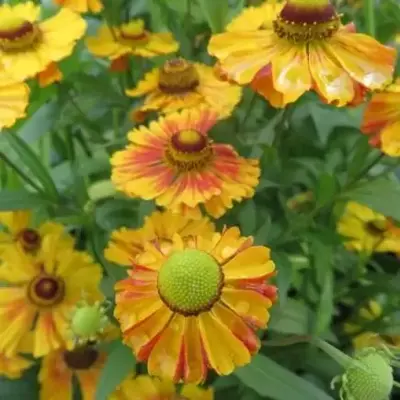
{"x":41,"y":291}
{"x":180,"y":84}
{"x":382,"y":120}
{"x":13,"y":367}
{"x":130,"y":39}
{"x":363,"y":339}
{"x":176,"y":164}
{"x":14,"y":99}
{"x":202,"y":299}
{"x":147,"y":388}
{"x":81,"y":6}
{"x":126,"y":244}
{"x":28,"y":46}
{"x":368,"y":231}
{"x":19,"y":231}
{"x":307,"y":49}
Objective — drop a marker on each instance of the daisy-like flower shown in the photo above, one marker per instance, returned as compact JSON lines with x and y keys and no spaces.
{"x":19,"y":230}
{"x":382,"y":120}
{"x":184,"y":296}
{"x":368,"y":231}
{"x":362,"y":338}
{"x":148,"y":388}
{"x":130,"y":39}
{"x":307,"y":49}
{"x":180,"y":84}
{"x":13,"y":367}
{"x":14,"y":99}
{"x":126,"y":244}
{"x":29,"y":46}
{"x":40,"y":293}
{"x":176,"y":164}
{"x":81,"y":6}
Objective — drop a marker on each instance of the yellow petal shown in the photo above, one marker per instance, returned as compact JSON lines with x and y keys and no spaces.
{"x":390,"y":139}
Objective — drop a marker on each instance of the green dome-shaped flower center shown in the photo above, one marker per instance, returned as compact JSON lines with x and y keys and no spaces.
{"x":372,"y":382}
{"x":190,"y":281}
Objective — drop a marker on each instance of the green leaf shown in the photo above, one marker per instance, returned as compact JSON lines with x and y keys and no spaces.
{"x":326,"y":305}
{"x":113,"y":214}
{"x":360,"y":156}
{"x":248,"y":217}
{"x":285,"y":274}
{"x":215,"y":12}
{"x":382,"y":195}
{"x":33,"y":164}
{"x":20,"y":200}
{"x":119,"y":365}
{"x":326,"y":189}
{"x":271,"y":380}
{"x":26,"y":387}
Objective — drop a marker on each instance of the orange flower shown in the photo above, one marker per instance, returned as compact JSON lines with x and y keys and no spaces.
{"x":382,"y":120}
{"x":176,"y":164}
{"x":307,"y":49}
{"x":126,"y":244}
{"x":81,"y":6}
{"x":195,"y":305}
{"x":180,"y":84}
{"x":14,"y":100}
{"x":41,"y":291}
{"x":13,"y":367}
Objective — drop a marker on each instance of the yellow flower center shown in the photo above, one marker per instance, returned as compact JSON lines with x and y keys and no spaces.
{"x":189,"y":150}
{"x":17,"y":34}
{"x":377,"y":227}
{"x":190,"y":281}
{"x":46,"y":290}
{"x":133,"y":33}
{"x":81,"y":358}
{"x":178,"y":76}
{"x":29,"y":239}
{"x":307,"y":20}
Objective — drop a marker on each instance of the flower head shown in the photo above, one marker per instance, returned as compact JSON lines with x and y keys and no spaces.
{"x":175,"y":163}
{"x":382,"y":120}
{"x":81,"y":6}
{"x":19,"y":231}
{"x":126,"y":244}
{"x":130,"y":39}
{"x":184,"y":296}
{"x":28,"y":46}
{"x":180,"y":84}
{"x":42,"y":289}
{"x":13,"y":367}
{"x":14,"y":99}
{"x":368,"y":231}
{"x":307,"y":49}
{"x":149,"y":388}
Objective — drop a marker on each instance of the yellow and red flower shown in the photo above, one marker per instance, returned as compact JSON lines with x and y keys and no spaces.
{"x":13,"y":367}
{"x":126,"y":244}
{"x":307,"y":49}
{"x":28,"y":46}
{"x":181,"y":84}
{"x":14,"y":99}
{"x":19,"y":231}
{"x":382,"y":120}
{"x":132,"y":38}
{"x":149,"y":388}
{"x":184,"y":296}
{"x":81,"y":6}
{"x":41,"y":291}
{"x":368,"y":231}
{"x":175,"y":163}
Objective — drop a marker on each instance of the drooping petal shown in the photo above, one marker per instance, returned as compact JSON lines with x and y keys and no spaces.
{"x":47,"y":338}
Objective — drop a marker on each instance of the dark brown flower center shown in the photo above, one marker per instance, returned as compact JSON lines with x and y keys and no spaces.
{"x":46,"y":290}
{"x":29,"y":239}
{"x":178,"y":76}
{"x":133,"y":33}
{"x":305,"y":21}
{"x":189,"y":150}
{"x":81,"y":358}
{"x":17,"y":34}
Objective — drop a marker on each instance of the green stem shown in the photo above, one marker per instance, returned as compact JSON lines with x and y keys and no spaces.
{"x":21,"y":173}
{"x":341,"y":358}
{"x":369,"y":12}
{"x":247,"y":114}
{"x":365,"y":171}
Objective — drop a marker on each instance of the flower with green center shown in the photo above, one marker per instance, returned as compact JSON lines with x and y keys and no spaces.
{"x":182,"y":296}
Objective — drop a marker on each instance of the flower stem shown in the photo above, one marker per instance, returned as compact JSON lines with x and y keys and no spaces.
{"x":341,"y":358}
{"x":369,"y":13}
